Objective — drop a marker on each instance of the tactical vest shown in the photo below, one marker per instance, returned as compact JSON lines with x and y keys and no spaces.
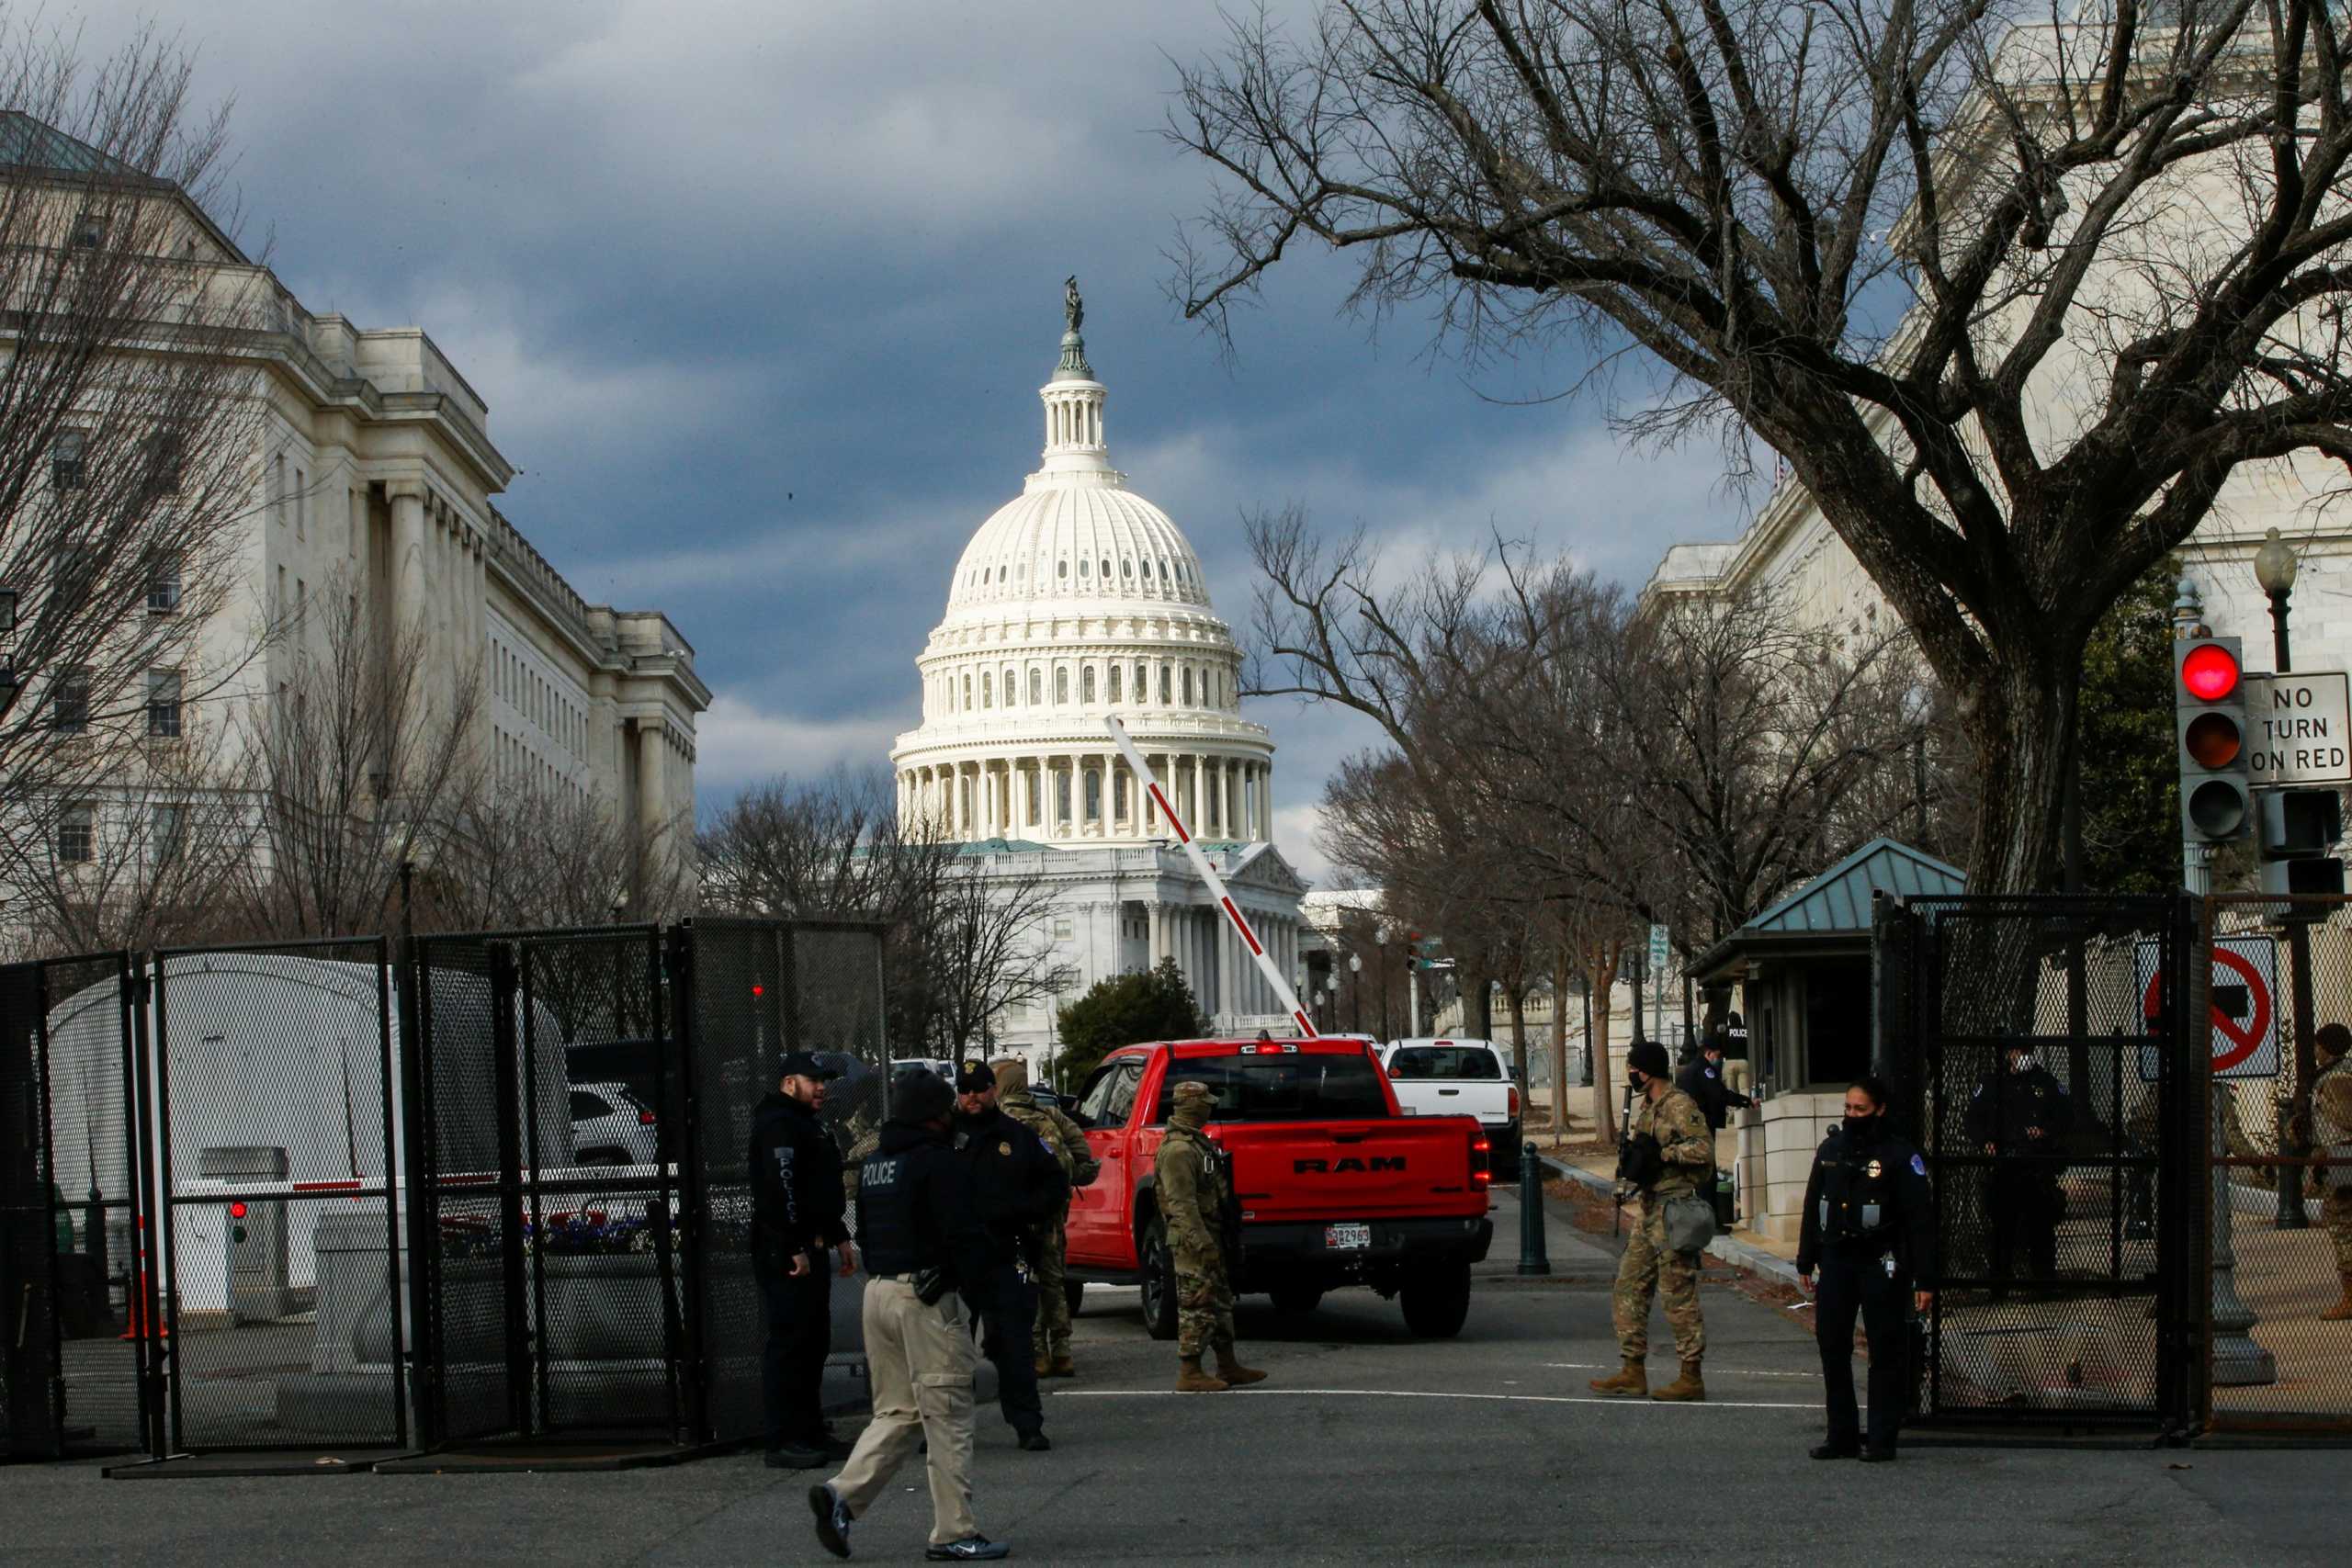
{"x":1857,"y":1200}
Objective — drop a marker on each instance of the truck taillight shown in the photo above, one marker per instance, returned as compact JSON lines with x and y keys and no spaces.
{"x":1482,"y":1160}
{"x":1514,"y":1103}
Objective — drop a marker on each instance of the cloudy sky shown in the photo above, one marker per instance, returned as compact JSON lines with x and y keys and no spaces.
{"x":760,"y":296}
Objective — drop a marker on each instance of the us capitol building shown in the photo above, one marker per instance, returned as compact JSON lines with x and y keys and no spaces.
{"x":1077,"y":600}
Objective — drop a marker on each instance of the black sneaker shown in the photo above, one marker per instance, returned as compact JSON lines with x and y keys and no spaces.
{"x":792,"y":1456}
{"x":1034,"y":1442}
{"x":832,"y":1519}
{"x":971,"y":1549}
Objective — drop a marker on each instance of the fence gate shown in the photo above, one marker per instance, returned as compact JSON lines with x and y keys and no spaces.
{"x":75,"y":1371}
{"x":2050,"y":1087}
{"x":551,"y":1295}
{"x":276,"y":1106}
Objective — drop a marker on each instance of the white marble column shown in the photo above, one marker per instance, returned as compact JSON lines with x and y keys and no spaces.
{"x":650,"y":802}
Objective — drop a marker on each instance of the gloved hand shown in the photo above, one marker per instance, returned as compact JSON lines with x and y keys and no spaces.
{"x":1644,"y":1161}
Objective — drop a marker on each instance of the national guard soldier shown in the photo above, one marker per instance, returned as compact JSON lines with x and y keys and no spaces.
{"x":2332,"y":1151}
{"x":1869,"y":1228}
{"x":796,"y":1207}
{"x":1191,"y":1187}
{"x":1067,"y":1141}
{"x":1667,"y":1148}
{"x":1021,"y":1190}
{"x":2021,"y":1117}
{"x":922,"y":1240}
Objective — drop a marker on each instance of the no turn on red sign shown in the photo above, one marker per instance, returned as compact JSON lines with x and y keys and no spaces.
{"x":2245,"y":1006}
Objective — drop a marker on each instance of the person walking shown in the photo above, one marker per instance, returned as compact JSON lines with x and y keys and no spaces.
{"x":1667,"y":1148}
{"x":923,"y":1239}
{"x":1191,"y":1187}
{"x":1022,"y":1192}
{"x":1067,"y":1140}
{"x":1869,"y":1229}
{"x":798,"y":1242}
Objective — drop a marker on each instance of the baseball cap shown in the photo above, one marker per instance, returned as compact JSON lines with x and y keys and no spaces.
{"x":805,"y":1065}
{"x":974,"y":1078}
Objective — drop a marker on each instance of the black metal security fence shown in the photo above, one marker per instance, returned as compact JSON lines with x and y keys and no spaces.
{"x":2047,"y":1037}
{"x":496,"y":1187}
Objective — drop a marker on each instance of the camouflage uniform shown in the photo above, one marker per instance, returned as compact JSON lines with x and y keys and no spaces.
{"x":2332,"y":1130}
{"x":1191,"y":1204}
{"x":1067,"y":1140}
{"x":1649,"y":1267}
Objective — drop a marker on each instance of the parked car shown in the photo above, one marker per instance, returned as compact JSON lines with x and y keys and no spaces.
{"x":940,"y":1064}
{"x":1334,"y":1187}
{"x":1457,"y":1078}
{"x":610,"y":1125}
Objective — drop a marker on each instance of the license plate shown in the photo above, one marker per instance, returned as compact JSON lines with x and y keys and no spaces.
{"x":1347,"y":1238}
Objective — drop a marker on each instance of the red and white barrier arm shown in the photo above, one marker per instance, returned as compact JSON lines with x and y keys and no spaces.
{"x":1266,"y":966}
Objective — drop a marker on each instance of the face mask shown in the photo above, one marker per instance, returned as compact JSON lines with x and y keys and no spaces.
{"x":1861,"y":1126}
{"x":1633,"y":1082}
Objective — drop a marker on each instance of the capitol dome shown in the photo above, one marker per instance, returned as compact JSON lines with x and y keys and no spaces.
{"x":1075,"y":601}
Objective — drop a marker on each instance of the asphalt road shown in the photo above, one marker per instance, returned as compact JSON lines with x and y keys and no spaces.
{"x":1364,"y":1446}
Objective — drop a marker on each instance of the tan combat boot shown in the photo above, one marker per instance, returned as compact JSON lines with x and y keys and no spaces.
{"x":1063,"y":1367}
{"x":1192,"y":1379}
{"x":1229,"y":1368}
{"x":1687,"y":1386}
{"x":2342,"y":1310}
{"x":1045,"y":1365}
{"x":1633,"y":1382}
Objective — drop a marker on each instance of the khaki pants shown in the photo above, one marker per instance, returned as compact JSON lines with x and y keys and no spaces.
{"x":922,"y":1359}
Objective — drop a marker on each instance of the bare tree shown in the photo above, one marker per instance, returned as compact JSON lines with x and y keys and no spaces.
{"x":357,"y":766}
{"x":990,"y":949}
{"x":520,"y":853}
{"x":130,"y":422}
{"x":2015,"y":292}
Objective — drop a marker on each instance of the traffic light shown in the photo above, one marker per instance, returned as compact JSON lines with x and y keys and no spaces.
{"x":2209,"y":718}
{"x":2298,"y":830}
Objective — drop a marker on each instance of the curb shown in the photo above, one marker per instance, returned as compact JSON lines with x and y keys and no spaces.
{"x":1738,"y":1254}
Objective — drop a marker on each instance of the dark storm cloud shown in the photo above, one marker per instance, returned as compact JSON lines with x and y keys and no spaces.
{"x":761,"y":295}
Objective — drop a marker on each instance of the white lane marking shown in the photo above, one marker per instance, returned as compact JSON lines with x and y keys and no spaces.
{"x":1720,"y":1371}
{"x":1418,"y":1393}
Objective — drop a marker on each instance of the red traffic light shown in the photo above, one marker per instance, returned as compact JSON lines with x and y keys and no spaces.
{"x":236,"y":1211}
{"x":2209,"y":672}
{"x":758,"y":990}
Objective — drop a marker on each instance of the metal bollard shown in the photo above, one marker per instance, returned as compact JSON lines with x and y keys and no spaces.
{"x":1533,"y":1257}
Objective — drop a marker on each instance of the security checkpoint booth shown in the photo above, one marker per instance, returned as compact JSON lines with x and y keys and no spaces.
{"x":1801,"y":974}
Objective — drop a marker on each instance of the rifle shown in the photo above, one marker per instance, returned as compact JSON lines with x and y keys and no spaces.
{"x":1228,"y":1219}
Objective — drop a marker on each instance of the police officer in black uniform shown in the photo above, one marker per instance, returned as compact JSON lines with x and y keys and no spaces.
{"x":2020,"y":1116}
{"x":1703,"y":1079}
{"x":1869,"y":1229}
{"x":1018,"y":1186}
{"x":798,"y":1242}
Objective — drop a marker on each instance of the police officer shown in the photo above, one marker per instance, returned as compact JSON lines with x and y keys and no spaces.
{"x":797,"y":1244}
{"x":1869,"y":1229}
{"x":1666,"y":1148}
{"x":923,"y":1239}
{"x":1703,"y":1079}
{"x":1020,"y":1191}
{"x":2020,"y":1116}
{"x":1067,"y":1141}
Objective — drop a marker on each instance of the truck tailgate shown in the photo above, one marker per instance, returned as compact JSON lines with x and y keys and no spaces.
{"x":1324,"y":1170}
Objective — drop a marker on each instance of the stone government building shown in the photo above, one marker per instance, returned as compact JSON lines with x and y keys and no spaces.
{"x":374,"y":478}
{"x":1075,"y":601}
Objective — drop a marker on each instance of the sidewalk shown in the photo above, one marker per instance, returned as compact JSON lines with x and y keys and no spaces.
{"x":1580,"y":1157}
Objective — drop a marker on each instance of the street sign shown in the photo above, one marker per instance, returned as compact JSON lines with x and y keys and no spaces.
{"x":1657,"y":950}
{"x":2301,"y":728}
{"x":2243,"y":1006}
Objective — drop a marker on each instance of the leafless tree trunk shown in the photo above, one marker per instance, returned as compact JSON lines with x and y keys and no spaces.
{"x":992,"y":950}
{"x":130,"y":417}
{"x":2015,"y":299}
{"x":520,"y":854}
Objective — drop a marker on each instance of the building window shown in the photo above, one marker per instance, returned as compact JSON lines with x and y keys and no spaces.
{"x":1163,"y":684}
{"x":968,"y":691}
{"x":1119,"y":796}
{"x":1126,"y":567}
{"x":159,"y":458}
{"x":1036,"y":686}
{"x":69,"y":701}
{"x":65,"y":459}
{"x":1081,"y":569}
{"x":164,"y":704}
{"x":1143,"y":681}
{"x":1188,"y":685}
{"x":1062,"y":569}
{"x":1093,"y":795}
{"x":1086,"y":685}
{"x":988,"y":690}
{"x":1061,"y":930}
{"x":164,"y":587}
{"x":1061,"y":795}
{"x":89,"y":231}
{"x":168,"y":832}
{"x":1061,"y":684}
{"x":301,"y":504}
{"x":1107,"y":569}
{"x":1011,"y":686}
{"x":77,"y":569}
{"x":74,"y":835}
{"x":1114,"y":683}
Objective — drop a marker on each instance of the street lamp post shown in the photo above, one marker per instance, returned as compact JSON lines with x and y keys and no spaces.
{"x":1380,"y":941}
{"x":2274,"y":569}
{"x":1355,"y":993}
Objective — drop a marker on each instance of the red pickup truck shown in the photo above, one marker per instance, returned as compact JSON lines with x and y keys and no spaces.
{"x":1334,"y":1186}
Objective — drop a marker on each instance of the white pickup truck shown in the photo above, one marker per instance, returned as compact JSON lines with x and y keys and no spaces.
{"x":1458,"y":1077}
